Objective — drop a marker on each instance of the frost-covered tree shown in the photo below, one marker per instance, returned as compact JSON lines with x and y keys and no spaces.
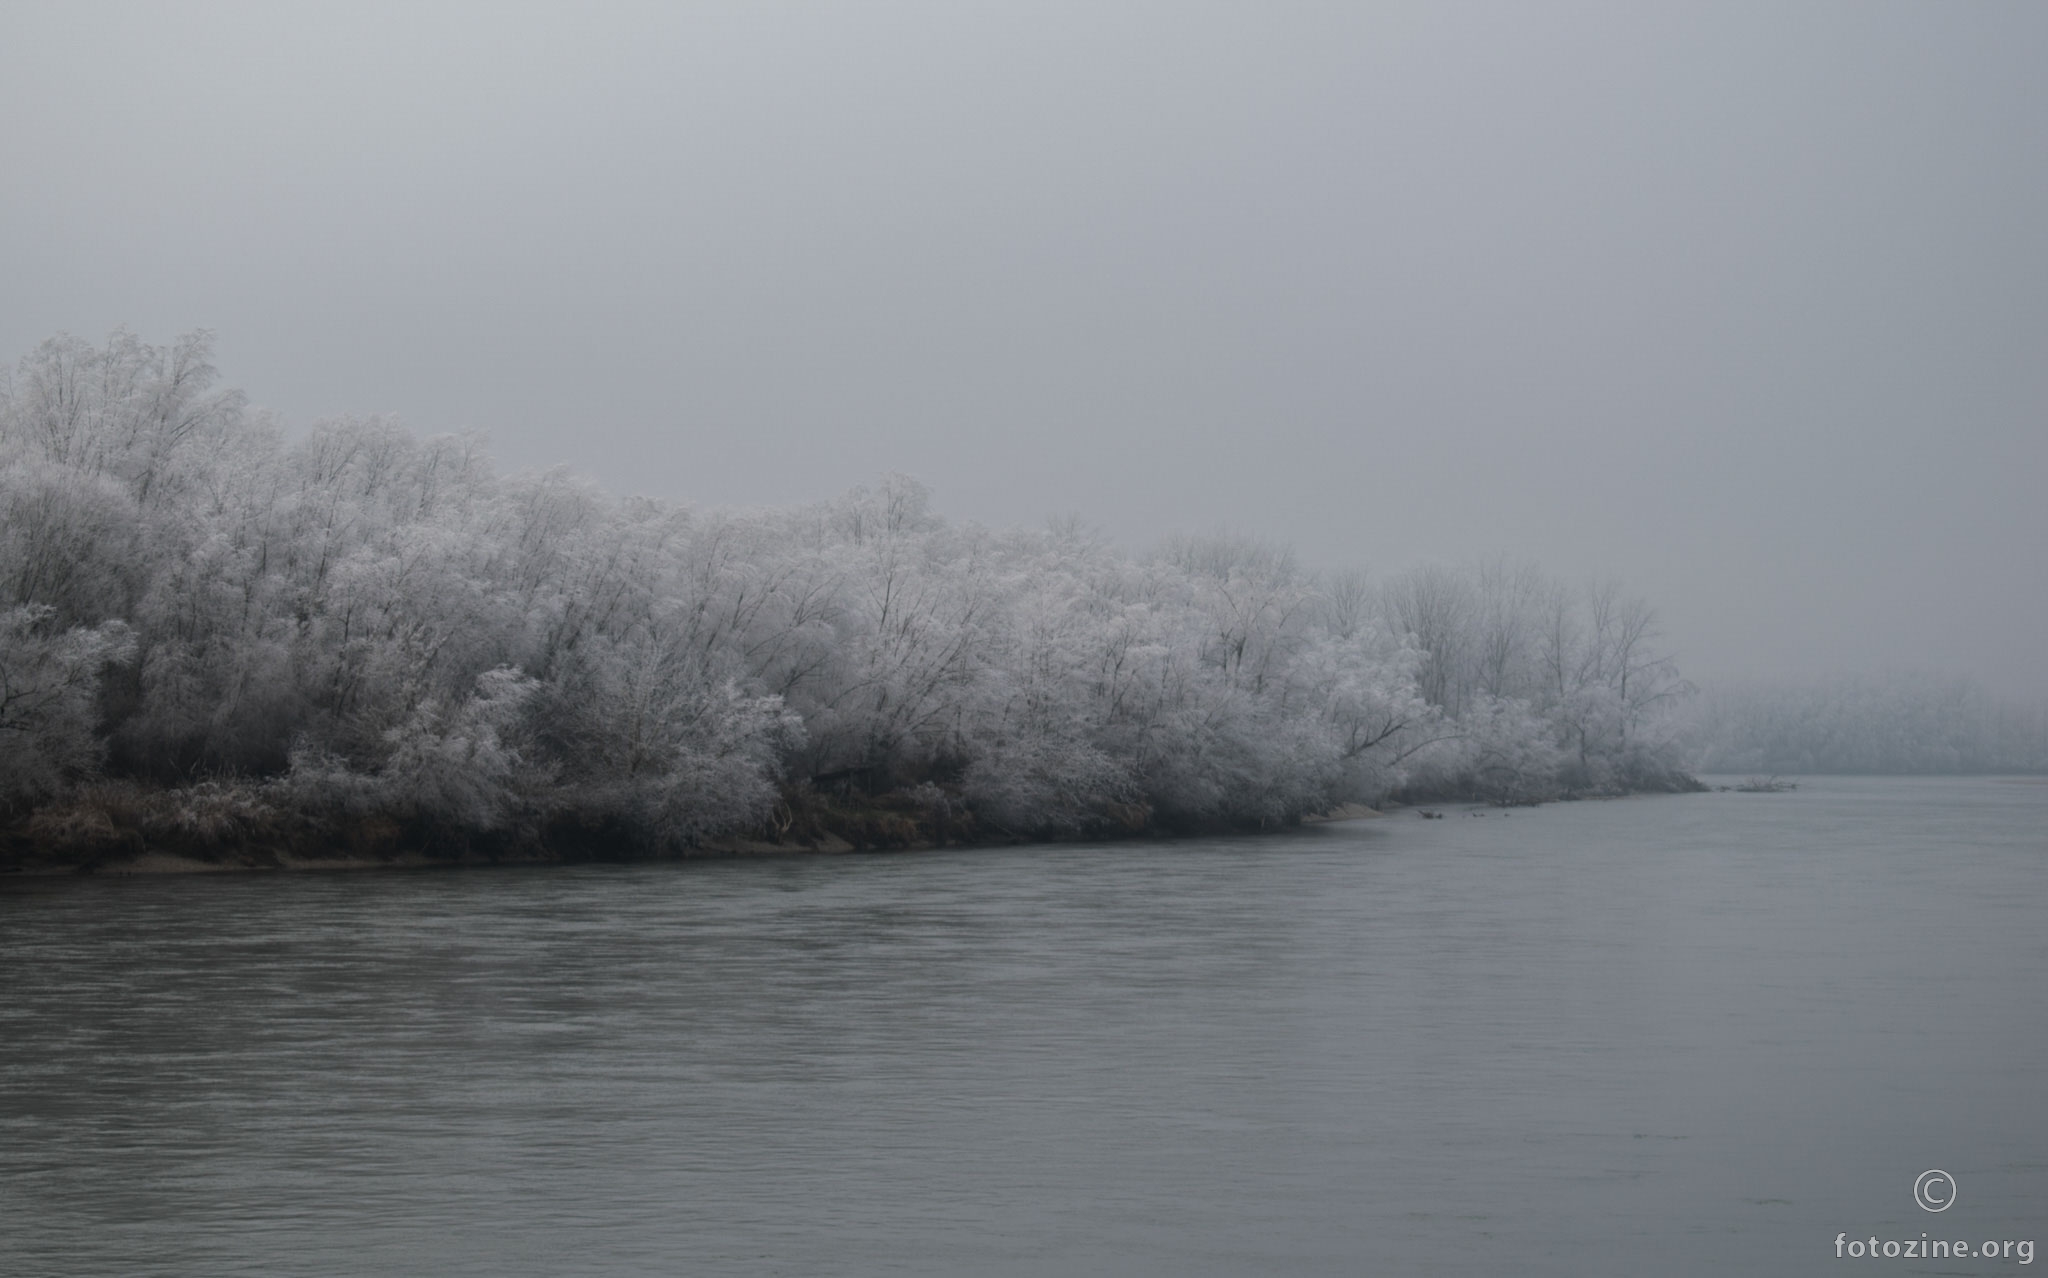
{"x":49,"y":681}
{"x":1896,"y":722}
{"x":381,"y":632}
{"x":1541,"y":689}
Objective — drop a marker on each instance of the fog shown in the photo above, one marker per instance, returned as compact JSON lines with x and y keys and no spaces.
{"x":1743,"y":304}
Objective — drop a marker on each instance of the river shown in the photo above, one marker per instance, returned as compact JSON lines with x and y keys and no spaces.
{"x":1697,"y":1034}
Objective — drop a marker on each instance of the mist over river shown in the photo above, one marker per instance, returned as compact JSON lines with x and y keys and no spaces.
{"x":1692,"y":1034}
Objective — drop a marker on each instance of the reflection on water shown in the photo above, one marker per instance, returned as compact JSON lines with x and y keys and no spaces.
{"x":1700,"y":1034}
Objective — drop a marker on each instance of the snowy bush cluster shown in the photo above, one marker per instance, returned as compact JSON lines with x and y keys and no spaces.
{"x":369,"y":627}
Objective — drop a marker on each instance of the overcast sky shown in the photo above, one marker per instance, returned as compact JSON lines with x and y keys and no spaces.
{"x":1745,"y":303}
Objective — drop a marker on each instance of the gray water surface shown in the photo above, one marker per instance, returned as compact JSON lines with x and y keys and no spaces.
{"x":1701,"y":1034}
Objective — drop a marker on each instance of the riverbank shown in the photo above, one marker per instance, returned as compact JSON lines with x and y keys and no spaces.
{"x":122,"y":828}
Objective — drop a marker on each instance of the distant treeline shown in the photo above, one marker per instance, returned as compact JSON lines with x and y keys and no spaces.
{"x":215,"y":636}
{"x":1903,"y":722}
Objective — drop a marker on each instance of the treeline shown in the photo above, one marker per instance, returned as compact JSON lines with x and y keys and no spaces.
{"x":212,"y":635}
{"x":1899,"y":723}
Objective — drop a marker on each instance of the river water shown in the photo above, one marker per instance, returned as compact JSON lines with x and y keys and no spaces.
{"x":1701,"y":1034}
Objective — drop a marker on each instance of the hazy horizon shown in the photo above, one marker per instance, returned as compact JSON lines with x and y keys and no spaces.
{"x":1744,"y":305}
